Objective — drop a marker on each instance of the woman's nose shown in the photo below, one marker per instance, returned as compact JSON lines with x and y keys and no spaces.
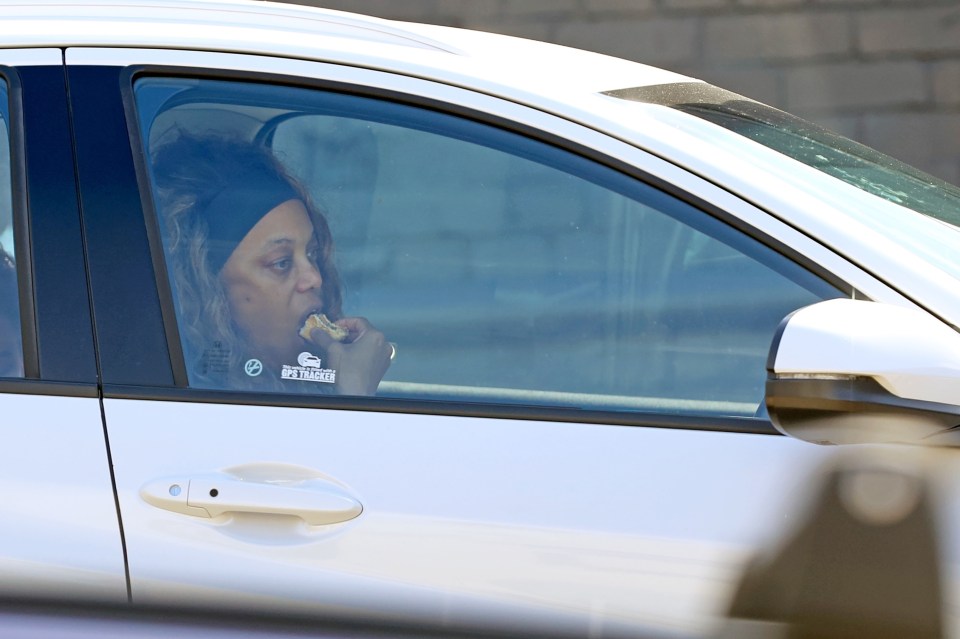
{"x":310,"y":277}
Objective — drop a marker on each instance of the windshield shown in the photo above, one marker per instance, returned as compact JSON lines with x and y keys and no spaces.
{"x":844,"y":159}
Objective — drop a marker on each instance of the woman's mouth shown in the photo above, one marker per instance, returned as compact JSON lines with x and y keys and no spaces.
{"x":313,"y":311}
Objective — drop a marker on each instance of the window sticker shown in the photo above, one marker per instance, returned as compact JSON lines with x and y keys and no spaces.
{"x":253,"y":367}
{"x":309,"y":369}
{"x":215,"y":360}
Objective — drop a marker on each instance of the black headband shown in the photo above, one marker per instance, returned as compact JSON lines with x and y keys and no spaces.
{"x":237,"y":209}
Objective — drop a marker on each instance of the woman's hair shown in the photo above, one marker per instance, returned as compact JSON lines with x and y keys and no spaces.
{"x":191,"y":174}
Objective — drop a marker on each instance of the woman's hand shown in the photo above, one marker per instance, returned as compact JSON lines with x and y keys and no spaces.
{"x":361,"y":360}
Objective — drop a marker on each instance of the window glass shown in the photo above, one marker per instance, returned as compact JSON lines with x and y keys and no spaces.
{"x":11,"y":351}
{"x":492,"y":267}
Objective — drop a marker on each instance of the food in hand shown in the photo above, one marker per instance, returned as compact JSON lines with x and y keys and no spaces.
{"x":321,"y":321}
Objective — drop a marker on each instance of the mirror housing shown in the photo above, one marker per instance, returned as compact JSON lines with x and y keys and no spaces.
{"x":847,"y":371}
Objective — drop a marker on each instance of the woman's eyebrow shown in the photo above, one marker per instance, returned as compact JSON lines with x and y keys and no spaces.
{"x":270,"y":243}
{"x":271,"y":247}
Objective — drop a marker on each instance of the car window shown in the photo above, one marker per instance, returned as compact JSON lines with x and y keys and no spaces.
{"x":11,"y":351}
{"x":500,"y":268}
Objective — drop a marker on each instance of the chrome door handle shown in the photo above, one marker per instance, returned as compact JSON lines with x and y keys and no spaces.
{"x":301,"y":493}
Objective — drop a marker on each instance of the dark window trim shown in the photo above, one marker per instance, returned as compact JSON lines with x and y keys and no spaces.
{"x":22,"y":239}
{"x":751,"y":425}
{"x":125,"y":309}
{"x":701,"y":422}
{"x":64,"y":334}
{"x":164,"y":291}
{"x":58,"y":389}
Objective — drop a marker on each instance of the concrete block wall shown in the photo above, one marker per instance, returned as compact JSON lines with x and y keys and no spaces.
{"x":884,"y":72}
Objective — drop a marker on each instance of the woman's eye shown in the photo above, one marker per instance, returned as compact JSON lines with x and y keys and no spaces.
{"x":313,"y":254}
{"x":282,"y":265}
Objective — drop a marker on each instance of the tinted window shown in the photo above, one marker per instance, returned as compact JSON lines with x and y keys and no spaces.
{"x":11,"y":352}
{"x":503,"y":269}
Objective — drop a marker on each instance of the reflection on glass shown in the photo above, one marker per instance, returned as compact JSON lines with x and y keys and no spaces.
{"x":11,"y":350}
{"x":11,"y":360}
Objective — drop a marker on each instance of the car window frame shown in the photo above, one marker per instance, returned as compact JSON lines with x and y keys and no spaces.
{"x":132,"y":72}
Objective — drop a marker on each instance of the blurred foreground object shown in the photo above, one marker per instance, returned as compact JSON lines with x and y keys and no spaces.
{"x":863,"y":560}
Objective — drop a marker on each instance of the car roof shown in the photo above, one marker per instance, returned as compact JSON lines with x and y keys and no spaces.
{"x":184,"y":23}
{"x":252,"y":26}
{"x":552,"y":78}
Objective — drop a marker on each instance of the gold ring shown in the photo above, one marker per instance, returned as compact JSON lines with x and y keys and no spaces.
{"x":393,"y":351}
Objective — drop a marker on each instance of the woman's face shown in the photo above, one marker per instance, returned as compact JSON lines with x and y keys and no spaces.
{"x":272,"y":282}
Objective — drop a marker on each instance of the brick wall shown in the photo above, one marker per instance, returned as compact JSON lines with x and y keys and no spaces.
{"x":885,"y":72}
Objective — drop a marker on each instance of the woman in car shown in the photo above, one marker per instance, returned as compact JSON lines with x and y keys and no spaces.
{"x":251,"y":260}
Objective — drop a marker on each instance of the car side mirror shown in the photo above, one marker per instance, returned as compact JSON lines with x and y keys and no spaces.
{"x":846,"y":371}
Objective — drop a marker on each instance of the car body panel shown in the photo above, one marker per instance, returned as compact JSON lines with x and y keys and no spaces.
{"x":462,"y":516}
{"x":61,"y":523}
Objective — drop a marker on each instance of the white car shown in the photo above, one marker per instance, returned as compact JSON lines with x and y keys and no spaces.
{"x":573,"y":274}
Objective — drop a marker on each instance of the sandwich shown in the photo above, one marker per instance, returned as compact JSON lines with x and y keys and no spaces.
{"x":321,"y":321}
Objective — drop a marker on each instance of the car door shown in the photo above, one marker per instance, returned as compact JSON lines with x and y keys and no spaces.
{"x":572,"y":425}
{"x":60,"y":532}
